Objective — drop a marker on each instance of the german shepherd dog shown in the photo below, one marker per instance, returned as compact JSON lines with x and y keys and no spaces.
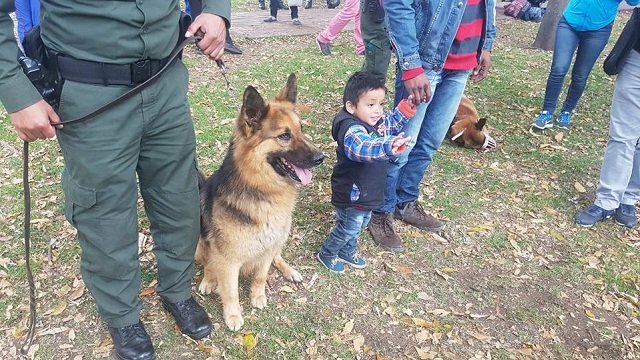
{"x":246,"y":205}
{"x":467,"y":128}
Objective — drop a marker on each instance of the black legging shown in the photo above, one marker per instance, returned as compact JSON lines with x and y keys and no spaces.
{"x":274,"y":5}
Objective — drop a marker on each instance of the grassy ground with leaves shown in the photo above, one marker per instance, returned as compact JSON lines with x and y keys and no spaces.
{"x":511,"y":276}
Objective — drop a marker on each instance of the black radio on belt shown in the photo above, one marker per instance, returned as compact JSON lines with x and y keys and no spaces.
{"x":40,"y":68}
{"x":44,"y":82}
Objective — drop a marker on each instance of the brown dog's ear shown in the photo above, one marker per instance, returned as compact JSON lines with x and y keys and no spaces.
{"x":481,"y":123}
{"x":290,"y":92}
{"x":253,"y":106}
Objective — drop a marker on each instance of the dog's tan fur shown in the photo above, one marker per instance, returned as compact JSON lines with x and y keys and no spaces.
{"x":467,"y":121}
{"x":247,"y":204}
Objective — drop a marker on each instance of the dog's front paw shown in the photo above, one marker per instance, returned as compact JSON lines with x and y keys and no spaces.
{"x":206,"y":287}
{"x":293,"y":275}
{"x":234,"y":321}
{"x":259,"y":301}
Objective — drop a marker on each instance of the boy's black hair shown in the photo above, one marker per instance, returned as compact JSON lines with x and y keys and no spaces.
{"x":358,"y":84}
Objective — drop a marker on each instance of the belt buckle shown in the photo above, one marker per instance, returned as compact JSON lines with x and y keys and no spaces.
{"x":140,"y":71}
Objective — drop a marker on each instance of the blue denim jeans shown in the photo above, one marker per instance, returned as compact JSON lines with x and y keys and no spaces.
{"x":343,"y":239}
{"x":427,"y":130}
{"x":589,"y":45}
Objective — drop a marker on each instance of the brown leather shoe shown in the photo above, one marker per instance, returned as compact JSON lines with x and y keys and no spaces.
{"x":381,"y":229}
{"x":413,"y":214}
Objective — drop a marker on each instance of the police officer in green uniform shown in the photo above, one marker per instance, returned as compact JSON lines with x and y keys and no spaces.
{"x":104,"y":48}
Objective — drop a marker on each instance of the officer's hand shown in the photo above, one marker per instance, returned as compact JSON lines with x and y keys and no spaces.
{"x":215,"y":32}
{"x":34,"y":122}
{"x":418,"y":88}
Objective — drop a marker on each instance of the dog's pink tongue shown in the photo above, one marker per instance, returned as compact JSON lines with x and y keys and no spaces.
{"x":303,"y":174}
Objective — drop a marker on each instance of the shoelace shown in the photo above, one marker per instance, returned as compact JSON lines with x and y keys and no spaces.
{"x":186,"y":307}
{"x":132,"y":331}
{"x":388,"y":225}
{"x":420,"y":210}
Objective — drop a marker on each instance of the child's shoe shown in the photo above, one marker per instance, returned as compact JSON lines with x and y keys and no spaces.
{"x":331,"y":263}
{"x":564,"y":120}
{"x":355,"y":261}
{"x":544,"y":121}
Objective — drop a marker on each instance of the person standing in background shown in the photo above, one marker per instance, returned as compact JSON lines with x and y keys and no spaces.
{"x":350,"y":11}
{"x":377,"y":48}
{"x":619,"y":188}
{"x":583,"y":30}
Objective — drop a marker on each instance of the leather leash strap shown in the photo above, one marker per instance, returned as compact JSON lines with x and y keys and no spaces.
{"x":25,"y":174}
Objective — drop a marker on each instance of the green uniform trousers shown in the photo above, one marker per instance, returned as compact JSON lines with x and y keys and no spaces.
{"x":377,"y":48}
{"x":150,"y":135}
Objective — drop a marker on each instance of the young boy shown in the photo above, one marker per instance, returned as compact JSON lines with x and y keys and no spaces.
{"x":366,"y":138}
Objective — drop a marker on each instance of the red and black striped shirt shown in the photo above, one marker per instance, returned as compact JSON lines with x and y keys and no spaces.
{"x":464,"y":50}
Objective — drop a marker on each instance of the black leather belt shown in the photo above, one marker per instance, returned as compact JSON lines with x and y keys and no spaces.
{"x":90,"y":72}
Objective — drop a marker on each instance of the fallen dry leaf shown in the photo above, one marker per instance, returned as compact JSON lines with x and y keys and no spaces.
{"x":348,"y":327}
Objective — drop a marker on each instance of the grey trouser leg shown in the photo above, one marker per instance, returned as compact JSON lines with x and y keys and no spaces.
{"x":149,"y":138}
{"x":620,"y":174}
{"x":377,"y":48}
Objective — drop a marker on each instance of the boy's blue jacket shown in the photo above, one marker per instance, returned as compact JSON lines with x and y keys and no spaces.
{"x":422,"y":31}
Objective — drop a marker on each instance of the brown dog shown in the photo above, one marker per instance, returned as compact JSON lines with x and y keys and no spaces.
{"x":247,"y":204}
{"x":466,"y":128}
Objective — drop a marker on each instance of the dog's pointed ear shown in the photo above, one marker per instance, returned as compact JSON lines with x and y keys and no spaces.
{"x":481,"y":123}
{"x":290,"y":92}
{"x":253,"y":106}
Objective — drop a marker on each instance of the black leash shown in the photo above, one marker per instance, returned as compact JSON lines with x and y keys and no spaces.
{"x":25,"y":172}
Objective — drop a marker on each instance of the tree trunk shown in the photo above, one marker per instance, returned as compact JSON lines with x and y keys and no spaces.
{"x":545,"y":39}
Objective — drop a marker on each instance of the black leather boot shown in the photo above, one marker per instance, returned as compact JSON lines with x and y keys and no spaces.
{"x":190,"y":316}
{"x":230,"y":47}
{"x":132,"y":342}
{"x":332,"y":4}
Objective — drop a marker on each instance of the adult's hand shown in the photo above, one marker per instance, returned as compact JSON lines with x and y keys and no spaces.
{"x":482,"y":70}
{"x":215,"y":32}
{"x":35,"y":122}
{"x":418,"y":88}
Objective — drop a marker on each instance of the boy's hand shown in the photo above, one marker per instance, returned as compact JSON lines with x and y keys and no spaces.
{"x":407,"y":107}
{"x":399,"y":143}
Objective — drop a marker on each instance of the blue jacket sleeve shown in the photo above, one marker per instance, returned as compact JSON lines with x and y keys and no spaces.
{"x":491,"y":25}
{"x":400,"y":18}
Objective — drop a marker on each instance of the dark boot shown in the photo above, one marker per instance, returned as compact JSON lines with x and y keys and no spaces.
{"x":381,"y":229}
{"x":132,"y":342}
{"x":230,"y":47}
{"x":261,"y":5}
{"x":190,"y":316}
{"x":308,"y":4}
{"x":332,"y":4}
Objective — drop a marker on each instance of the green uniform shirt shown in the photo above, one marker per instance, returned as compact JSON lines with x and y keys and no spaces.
{"x":110,"y":31}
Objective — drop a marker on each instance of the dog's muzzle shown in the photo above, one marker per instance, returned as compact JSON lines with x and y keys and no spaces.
{"x":489,"y":142}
